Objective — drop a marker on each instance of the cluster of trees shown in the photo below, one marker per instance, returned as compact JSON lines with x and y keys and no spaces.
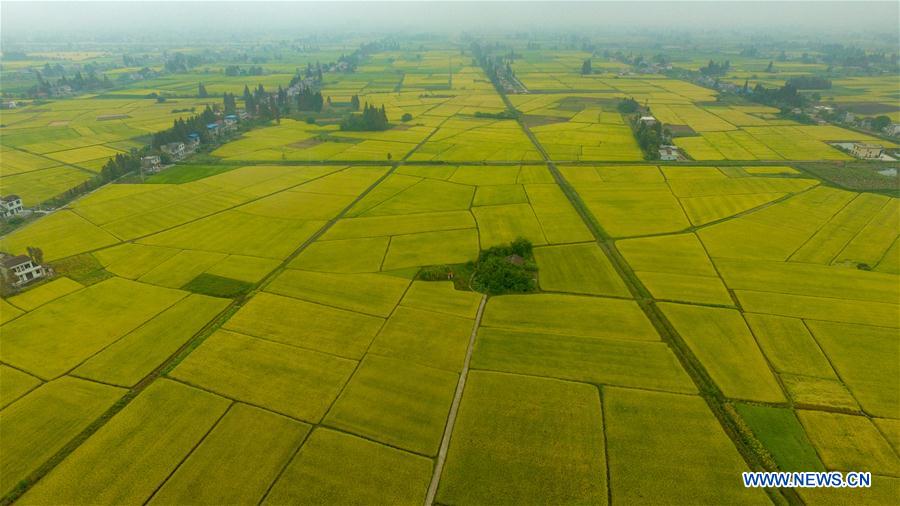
{"x":851,"y":56}
{"x":309,"y":100}
{"x":586,"y":67}
{"x":810,"y":83}
{"x":234,"y":70}
{"x":77,"y":83}
{"x":311,"y":73}
{"x":53,"y":70}
{"x":229,"y":103}
{"x":506,"y":269}
{"x":649,"y":137}
{"x":715,"y":69}
{"x":178,"y":62}
{"x":120,"y":165}
{"x":133,"y":61}
{"x":497,"y":68}
{"x":496,"y":115}
{"x":786,"y":96}
{"x":372,"y":119}
{"x":182,"y":128}
{"x":628,"y":106}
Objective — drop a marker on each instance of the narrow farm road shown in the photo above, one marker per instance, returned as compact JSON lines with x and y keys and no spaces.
{"x":454,"y":409}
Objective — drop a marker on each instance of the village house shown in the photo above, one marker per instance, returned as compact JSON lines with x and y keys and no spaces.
{"x":865,"y":150}
{"x":213,"y":129}
{"x":647,"y":120}
{"x":669,"y":153}
{"x":150,"y":164}
{"x":193,"y":141}
{"x":174,"y":149}
{"x":230,"y":123}
{"x":893,"y":129}
{"x":10,"y":206}
{"x":20,"y":270}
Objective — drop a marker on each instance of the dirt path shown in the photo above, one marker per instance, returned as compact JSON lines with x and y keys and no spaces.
{"x":454,"y":409}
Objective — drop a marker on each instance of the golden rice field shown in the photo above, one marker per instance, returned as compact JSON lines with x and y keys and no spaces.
{"x":262,"y":334}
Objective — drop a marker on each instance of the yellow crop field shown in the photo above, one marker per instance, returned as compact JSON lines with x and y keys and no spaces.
{"x":456,"y":267}
{"x":67,"y":405}
{"x":110,"y":309}
{"x":154,"y":433}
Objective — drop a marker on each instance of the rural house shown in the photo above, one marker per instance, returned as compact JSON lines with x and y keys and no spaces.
{"x":865,"y":150}
{"x":668,"y":153}
{"x":648,"y":120}
{"x":10,"y":206}
{"x":150,"y":163}
{"x":174,"y":149}
{"x":20,"y":270}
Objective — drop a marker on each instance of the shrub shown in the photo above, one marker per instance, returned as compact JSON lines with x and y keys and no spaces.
{"x":406,"y":117}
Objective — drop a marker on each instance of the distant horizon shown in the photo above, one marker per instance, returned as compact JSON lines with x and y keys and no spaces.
{"x":22,"y":20}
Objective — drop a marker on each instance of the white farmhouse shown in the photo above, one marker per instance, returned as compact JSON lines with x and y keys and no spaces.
{"x":20,"y":270}
{"x":10,"y":206}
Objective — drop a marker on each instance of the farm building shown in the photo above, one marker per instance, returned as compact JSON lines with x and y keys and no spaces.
{"x":150,"y":163}
{"x":20,"y":270}
{"x":10,"y":205}
{"x":865,"y":150}
{"x":174,"y":149}
{"x":669,"y":153}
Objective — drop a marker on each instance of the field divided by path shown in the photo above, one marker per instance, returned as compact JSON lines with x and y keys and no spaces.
{"x":259,"y":334}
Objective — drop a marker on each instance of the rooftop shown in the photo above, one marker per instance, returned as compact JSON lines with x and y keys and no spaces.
{"x":10,"y":262}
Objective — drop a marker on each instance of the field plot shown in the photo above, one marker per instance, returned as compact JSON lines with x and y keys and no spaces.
{"x":272,"y":368}
{"x":424,"y":337}
{"x":50,"y":340}
{"x":675,"y":267}
{"x":267,"y":374}
{"x":132,"y":455}
{"x":769,"y":142}
{"x":775,"y":232}
{"x":473,"y":140}
{"x":45,"y":293}
{"x":75,"y":138}
{"x":237,"y":461}
{"x":520,"y":439}
{"x":640,"y":447}
{"x":129,"y":359}
{"x":66,"y":406}
{"x":628,"y":201}
{"x":725,"y":346}
{"x":39,"y":185}
{"x":578,"y":268}
{"x":576,"y":127}
{"x":395,"y":402}
{"x":336,"y":468}
{"x":59,"y":235}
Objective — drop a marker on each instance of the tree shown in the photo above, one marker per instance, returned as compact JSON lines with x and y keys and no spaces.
{"x":354,"y":102}
{"x":628,"y":105}
{"x":36,"y":254}
{"x":771,"y":67}
{"x":201,"y":91}
{"x":880,"y":123}
{"x":586,"y":67}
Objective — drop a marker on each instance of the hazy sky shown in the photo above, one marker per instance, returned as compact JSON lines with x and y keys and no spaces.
{"x":18,"y":18}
